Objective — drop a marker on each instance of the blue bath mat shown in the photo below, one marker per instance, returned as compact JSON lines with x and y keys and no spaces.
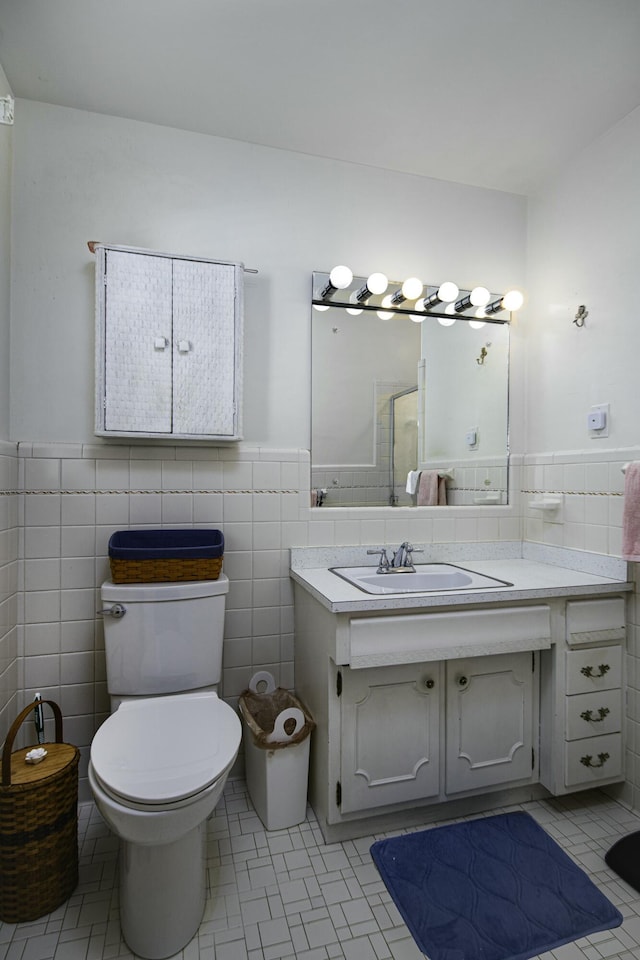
{"x":497,"y":888}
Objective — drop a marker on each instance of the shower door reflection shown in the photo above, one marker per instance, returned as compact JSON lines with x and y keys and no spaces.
{"x":404,"y":445}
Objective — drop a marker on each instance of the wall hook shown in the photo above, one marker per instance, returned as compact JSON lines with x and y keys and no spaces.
{"x":483,"y":355}
{"x":581,"y":315}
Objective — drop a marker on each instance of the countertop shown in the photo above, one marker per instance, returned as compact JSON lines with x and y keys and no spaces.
{"x":531,"y":579}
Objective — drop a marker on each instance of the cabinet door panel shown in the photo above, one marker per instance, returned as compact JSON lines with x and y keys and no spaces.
{"x":489,"y":721}
{"x":204,"y":347}
{"x":390,"y":734}
{"x":137,"y":374}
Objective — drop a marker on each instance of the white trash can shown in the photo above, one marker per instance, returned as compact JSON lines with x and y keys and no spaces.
{"x":276,"y":737}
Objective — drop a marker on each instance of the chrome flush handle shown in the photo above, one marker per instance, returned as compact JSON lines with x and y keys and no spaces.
{"x":117,"y":610}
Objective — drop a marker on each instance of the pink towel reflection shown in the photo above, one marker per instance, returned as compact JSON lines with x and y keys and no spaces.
{"x":432,"y":490}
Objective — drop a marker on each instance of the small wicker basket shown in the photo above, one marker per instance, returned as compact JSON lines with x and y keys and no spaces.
{"x":38,"y":826}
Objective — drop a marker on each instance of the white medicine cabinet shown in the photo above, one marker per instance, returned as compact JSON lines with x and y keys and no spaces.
{"x":168,"y":345}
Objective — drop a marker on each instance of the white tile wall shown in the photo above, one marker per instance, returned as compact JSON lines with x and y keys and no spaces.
{"x":75,"y":496}
{"x":10,"y":680}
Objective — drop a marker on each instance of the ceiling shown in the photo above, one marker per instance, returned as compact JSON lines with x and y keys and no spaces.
{"x":493,"y":93}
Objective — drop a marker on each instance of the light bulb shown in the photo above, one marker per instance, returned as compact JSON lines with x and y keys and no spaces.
{"x":412,"y":288}
{"x":450,"y":309}
{"x":420,"y":303}
{"x":416,"y":318}
{"x":385,"y":314}
{"x":512,"y":300}
{"x":478,"y":324}
{"x":387,"y":301}
{"x":340,"y":277}
{"x":447,"y":291}
{"x":377,"y":283}
{"x":353,"y":311}
{"x":480,"y":296}
{"x":320,"y":307}
{"x":447,"y":321}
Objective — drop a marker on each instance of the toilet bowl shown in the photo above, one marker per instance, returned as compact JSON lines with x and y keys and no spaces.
{"x":158,"y":766}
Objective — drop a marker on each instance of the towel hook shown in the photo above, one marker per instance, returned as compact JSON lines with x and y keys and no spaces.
{"x":581,"y":315}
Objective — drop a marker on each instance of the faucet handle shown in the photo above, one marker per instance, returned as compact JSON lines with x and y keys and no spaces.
{"x":384,"y":564}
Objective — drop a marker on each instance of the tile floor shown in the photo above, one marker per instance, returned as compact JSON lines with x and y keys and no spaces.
{"x":286,"y":894}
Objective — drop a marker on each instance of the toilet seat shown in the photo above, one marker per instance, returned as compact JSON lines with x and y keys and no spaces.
{"x":165,"y":750}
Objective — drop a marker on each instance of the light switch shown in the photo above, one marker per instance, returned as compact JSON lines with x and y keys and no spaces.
{"x":471,"y":437}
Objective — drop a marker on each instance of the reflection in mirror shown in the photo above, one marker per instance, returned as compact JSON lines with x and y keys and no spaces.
{"x":397,"y":404}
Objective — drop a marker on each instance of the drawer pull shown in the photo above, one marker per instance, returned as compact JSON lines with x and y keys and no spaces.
{"x":588,"y":671}
{"x":589,"y":717}
{"x":602,"y":759}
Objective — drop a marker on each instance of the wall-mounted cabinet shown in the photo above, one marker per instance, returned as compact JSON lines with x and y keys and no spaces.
{"x":168,"y":345}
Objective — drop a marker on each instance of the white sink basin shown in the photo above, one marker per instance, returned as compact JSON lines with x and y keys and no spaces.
{"x":428,"y":578}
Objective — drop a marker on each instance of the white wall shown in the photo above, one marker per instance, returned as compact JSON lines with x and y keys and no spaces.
{"x":81,"y":176}
{"x":5,"y":260}
{"x":584,"y":248}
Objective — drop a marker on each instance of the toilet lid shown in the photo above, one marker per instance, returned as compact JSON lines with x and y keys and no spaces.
{"x":164,"y":749}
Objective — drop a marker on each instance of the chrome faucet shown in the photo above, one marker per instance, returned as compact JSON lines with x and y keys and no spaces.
{"x":402,"y":561}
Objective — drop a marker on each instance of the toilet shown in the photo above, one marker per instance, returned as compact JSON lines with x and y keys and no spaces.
{"x":160,"y":761}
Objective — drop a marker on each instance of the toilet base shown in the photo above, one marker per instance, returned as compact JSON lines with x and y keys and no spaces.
{"x":162,"y":893}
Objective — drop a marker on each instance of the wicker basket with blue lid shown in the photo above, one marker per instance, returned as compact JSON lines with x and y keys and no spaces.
{"x":156,"y":556}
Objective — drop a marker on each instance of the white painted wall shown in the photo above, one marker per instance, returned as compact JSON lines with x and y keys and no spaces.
{"x":584,"y":248}
{"x":81,"y":176}
{"x":5,"y":260}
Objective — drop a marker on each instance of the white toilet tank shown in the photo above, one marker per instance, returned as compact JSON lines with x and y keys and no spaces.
{"x":169,"y":638}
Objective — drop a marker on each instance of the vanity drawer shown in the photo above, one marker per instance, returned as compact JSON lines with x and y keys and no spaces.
{"x":416,"y":638}
{"x":605,"y":708}
{"x":595,"y":621}
{"x":595,"y":668}
{"x":606,"y":759}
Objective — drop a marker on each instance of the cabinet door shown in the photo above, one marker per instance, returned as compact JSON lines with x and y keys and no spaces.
{"x":137,"y":343}
{"x":489,"y":721}
{"x":204,"y":348}
{"x":390,"y":733}
{"x":168,"y":345}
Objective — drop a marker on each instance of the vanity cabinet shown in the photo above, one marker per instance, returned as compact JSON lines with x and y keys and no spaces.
{"x":426,"y":730}
{"x":433,"y":713}
{"x":168,"y":345}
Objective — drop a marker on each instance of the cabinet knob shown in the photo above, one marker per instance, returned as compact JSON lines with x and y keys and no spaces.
{"x":184,"y":346}
{"x":589,"y":671}
{"x":429,"y":683}
{"x":462,"y":681}
{"x":588,"y":760}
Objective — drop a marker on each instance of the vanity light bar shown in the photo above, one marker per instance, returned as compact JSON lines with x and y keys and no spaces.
{"x":447,"y":302}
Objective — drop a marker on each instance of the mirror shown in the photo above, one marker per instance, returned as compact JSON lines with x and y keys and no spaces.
{"x":396,"y":403}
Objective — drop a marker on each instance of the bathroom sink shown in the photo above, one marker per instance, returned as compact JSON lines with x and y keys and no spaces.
{"x":428,"y":577}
